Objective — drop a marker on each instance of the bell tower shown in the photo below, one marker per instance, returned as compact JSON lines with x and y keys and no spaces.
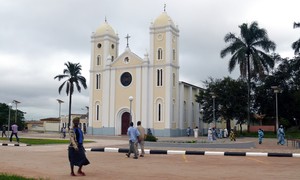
{"x":104,"y":50}
{"x":165,"y":73}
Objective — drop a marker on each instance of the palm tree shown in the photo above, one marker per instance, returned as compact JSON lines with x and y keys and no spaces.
{"x":73,"y":75}
{"x":249,"y":52}
{"x":296,"y":44}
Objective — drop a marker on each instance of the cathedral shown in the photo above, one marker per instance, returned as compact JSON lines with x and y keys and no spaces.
{"x":125,"y":87}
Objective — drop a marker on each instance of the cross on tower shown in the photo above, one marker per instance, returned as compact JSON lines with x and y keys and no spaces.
{"x":127,"y":37}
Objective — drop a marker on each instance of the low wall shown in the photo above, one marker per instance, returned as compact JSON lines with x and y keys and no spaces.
{"x":264,"y":128}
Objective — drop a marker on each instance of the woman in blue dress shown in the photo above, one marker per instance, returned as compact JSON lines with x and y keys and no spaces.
{"x":260,"y":135}
{"x":280,"y":135}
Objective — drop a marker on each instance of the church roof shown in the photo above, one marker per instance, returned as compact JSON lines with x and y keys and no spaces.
{"x":163,"y":20}
{"x":105,"y":28}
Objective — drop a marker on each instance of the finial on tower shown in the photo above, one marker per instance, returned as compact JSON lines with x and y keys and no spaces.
{"x":105,"y":19}
{"x":165,"y":7}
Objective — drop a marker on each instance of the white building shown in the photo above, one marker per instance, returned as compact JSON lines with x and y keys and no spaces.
{"x":159,"y":100}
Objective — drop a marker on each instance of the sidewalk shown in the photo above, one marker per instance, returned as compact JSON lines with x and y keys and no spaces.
{"x":176,"y":143}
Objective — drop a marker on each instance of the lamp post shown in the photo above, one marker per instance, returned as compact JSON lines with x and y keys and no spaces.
{"x":201,"y":118}
{"x":213,"y":96}
{"x":130,"y":100}
{"x":16,"y":102}
{"x":276,"y":91}
{"x":8,"y":128}
{"x":59,"y":110}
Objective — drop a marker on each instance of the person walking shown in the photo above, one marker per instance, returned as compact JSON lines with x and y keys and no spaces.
{"x":209,"y":135}
{"x":14,"y":131}
{"x":232,"y":135}
{"x":260,"y":135}
{"x":188,"y":131}
{"x":76,"y":151}
{"x":64,"y":132}
{"x":280,"y":135}
{"x":4,"y":130}
{"x":225,"y":133}
{"x":141,"y":140}
{"x":133,"y":135}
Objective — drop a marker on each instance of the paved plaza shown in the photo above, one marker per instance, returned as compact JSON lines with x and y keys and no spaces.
{"x":51,"y":162}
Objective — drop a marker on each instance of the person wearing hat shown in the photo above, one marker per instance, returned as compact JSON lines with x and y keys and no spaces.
{"x":76,"y":150}
{"x":280,"y":135}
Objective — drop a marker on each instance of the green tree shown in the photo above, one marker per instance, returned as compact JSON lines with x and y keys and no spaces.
{"x":4,"y":116}
{"x":287,"y":77}
{"x":249,"y":51}
{"x":296,"y":44}
{"x":72,"y":74}
{"x":230,"y":101}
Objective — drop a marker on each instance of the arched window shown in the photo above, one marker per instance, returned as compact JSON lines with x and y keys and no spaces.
{"x":97,"y":112}
{"x":159,"y":81}
{"x":98,"y":81}
{"x":174,"y":55}
{"x":193,"y":113}
{"x":159,"y":54}
{"x":173,"y":110}
{"x":159,"y":110}
{"x":98,"y":60}
{"x":184,"y":111}
{"x":174,"y":79}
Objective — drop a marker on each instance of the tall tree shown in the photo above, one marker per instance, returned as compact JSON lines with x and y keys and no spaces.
{"x":230,"y":101}
{"x":250,"y":52}
{"x":72,"y":74}
{"x":296,"y":44}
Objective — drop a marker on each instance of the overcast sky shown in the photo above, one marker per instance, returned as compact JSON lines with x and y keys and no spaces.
{"x":38,"y":36}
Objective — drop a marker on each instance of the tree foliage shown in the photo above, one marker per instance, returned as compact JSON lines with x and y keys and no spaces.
{"x":4,"y":116}
{"x":287,"y":77}
{"x":250,"y":52}
{"x":230,"y":101}
{"x":73,"y":77}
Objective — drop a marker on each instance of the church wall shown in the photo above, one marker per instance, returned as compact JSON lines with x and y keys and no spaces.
{"x":122,"y":93}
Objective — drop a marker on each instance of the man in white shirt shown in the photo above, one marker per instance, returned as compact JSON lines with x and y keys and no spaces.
{"x":14,"y":129}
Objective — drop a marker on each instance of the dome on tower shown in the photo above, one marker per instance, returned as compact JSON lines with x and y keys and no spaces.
{"x":105,"y":28}
{"x":163,"y":20}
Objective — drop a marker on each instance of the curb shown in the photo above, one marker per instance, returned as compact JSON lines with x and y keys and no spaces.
{"x":206,"y":153}
{"x":10,"y":144}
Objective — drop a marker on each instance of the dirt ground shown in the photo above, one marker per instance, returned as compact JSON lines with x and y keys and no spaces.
{"x":51,"y":162}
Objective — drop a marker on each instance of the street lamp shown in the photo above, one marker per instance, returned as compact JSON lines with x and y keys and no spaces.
{"x":130,"y":100}
{"x":59,"y":110}
{"x":8,"y":128}
{"x":213,"y":96}
{"x":276,"y":91}
{"x":16,"y":102}
{"x":201,"y":118}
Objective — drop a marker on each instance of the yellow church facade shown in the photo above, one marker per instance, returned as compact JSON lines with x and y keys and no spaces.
{"x":125,"y":87}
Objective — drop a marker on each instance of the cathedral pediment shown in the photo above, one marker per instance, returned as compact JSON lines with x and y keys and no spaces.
{"x":127,"y":58}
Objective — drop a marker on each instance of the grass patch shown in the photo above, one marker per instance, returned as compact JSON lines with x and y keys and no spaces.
{"x":15,"y":177}
{"x":33,"y":141}
{"x":192,"y":141}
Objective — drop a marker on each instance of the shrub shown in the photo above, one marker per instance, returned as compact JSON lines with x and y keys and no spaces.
{"x":150,"y":138}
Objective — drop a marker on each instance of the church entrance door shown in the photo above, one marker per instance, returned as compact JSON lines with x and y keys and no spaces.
{"x":125,"y":122}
